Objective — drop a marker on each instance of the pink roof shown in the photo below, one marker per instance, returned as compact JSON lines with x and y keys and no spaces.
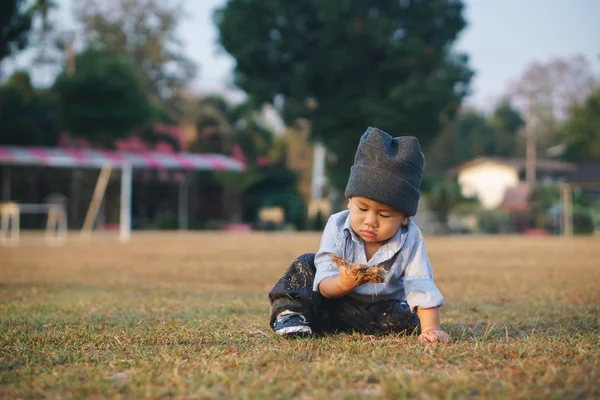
{"x":96,"y":158}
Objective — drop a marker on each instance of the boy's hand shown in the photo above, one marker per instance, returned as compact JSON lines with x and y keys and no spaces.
{"x":349,"y":280}
{"x":434,"y":336}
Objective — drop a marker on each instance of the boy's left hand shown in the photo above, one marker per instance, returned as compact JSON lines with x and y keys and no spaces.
{"x":434,"y":336}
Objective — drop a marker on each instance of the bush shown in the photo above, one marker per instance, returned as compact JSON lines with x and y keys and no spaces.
{"x":494,"y":221}
{"x":583,"y":222}
{"x":165,"y":221}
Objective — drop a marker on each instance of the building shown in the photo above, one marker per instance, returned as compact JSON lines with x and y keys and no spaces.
{"x":490,"y":179}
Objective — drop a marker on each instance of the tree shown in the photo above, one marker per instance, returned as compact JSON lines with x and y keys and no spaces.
{"x":346,"y":65}
{"x":474,"y":134}
{"x":546,"y":91}
{"x":582,"y":130}
{"x":507,"y":123}
{"x":236,"y":130}
{"x":104,"y":100}
{"x":220,"y":126}
{"x":215,"y":124}
{"x":16,"y":23}
{"x":469,"y":136}
{"x":27,"y":117}
{"x":145,"y":30}
{"x":444,"y":197}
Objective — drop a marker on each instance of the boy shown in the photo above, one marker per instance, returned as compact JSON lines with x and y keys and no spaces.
{"x":383,"y":193}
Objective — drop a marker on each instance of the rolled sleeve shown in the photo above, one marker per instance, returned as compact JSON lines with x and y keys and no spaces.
{"x":422,"y":293}
{"x":419,"y":287}
{"x":328,"y":247}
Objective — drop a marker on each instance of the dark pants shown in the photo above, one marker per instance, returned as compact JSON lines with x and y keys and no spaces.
{"x":294,"y":292}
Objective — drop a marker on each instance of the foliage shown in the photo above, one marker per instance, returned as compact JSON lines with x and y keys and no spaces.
{"x":104,"y":100}
{"x":28,"y":117}
{"x":238,"y":182}
{"x":145,"y":30}
{"x":476,"y":134}
{"x":276,"y":188}
{"x":546,"y":209}
{"x":161,"y":115}
{"x":165,"y":221}
{"x":582,"y":130}
{"x":443,"y":197}
{"x":494,"y":221}
{"x":217,"y":125}
{"x":543,"y":198}
{"x":583,"y":220}
{"x":347,"y":65}
{"x":16,"y":23}
{"x":506,"y":123}
{"x":225,"y":128}
{"x":547,"y":90}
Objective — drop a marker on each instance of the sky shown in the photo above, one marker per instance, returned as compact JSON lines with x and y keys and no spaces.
{"x":503,"y":37}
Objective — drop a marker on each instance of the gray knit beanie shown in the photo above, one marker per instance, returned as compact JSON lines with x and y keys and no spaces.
{"x":387,"y":170}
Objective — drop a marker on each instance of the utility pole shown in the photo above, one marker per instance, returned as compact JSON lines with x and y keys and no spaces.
{"x":318,"y":172}
{"x":531,"y":153}
{"x":77,"y":174}
{"x":70,"y":53}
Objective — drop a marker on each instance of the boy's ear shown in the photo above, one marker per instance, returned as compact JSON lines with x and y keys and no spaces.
{"x":349,"y":202}
{"x":405,"y":220}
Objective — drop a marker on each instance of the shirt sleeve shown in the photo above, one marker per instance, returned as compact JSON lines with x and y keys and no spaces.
{"x":328,"y":247}
{"x":418,"y":279}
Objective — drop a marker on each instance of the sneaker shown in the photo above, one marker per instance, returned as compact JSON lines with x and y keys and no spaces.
{"x":291,"y":323}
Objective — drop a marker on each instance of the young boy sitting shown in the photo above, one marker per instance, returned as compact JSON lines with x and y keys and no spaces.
{"x":317,"y":295}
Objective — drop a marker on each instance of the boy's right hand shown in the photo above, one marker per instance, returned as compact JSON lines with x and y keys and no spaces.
{"x":348,"y":280}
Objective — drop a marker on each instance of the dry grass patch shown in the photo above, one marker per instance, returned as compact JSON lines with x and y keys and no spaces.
{"x":185,"y":316}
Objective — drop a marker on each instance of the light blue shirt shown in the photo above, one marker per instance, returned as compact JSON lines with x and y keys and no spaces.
{"x":410,"y":276}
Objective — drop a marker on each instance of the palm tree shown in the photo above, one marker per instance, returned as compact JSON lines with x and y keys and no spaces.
{"x":233,"y":130}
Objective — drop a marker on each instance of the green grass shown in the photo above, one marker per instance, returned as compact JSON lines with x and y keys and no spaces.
{"x":185,"y":316}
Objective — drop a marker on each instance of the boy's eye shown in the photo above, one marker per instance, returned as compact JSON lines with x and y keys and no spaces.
{"x":362,"y":209}
{"x":384,"y":216}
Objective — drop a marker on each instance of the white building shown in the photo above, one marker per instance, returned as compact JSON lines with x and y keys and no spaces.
{"x":489,"y":178}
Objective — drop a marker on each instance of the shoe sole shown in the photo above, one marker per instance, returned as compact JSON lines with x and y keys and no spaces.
{"x":294,"y":330}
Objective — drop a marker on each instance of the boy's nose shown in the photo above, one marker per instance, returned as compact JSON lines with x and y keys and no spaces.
{"x":371,"y":220}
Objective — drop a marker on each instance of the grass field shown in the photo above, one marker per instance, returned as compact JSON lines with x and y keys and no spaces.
{"x":185,"y":316}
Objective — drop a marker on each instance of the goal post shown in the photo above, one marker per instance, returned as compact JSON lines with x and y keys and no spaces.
{"x":99,"y":191}
{"x":125,"y":206}
{"x":125,"y":216}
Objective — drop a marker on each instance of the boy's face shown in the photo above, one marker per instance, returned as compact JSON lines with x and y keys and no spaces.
{"x":374,"y":222}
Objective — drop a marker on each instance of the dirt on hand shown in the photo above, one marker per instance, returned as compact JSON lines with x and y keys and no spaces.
{"x":373,"y":274}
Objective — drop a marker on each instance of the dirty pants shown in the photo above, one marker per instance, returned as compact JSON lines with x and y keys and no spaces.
{"x":294,"y":292}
